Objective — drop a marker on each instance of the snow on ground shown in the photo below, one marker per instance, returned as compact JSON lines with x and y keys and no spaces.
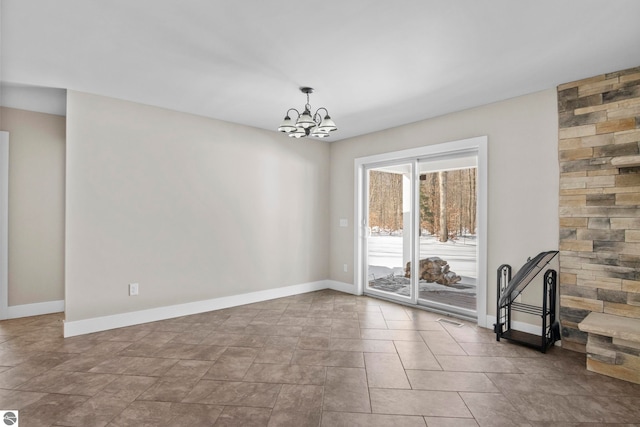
{"x":385,"y":258}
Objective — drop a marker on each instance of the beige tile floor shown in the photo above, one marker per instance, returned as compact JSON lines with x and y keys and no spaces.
{"x":318,"y":359}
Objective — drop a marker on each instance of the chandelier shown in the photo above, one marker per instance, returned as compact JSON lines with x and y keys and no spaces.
{"x":306,"y":124}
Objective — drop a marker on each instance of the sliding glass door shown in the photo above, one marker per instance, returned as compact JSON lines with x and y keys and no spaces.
{"x":389,"y":230}
{"x":419,"y":236}
{"x":447,"y":241}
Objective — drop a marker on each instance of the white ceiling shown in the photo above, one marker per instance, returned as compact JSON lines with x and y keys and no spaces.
{"x":374,"y":64}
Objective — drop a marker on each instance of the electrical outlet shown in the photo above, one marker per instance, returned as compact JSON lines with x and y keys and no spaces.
{"x":133,"y":289}
{"x":345,"y":267}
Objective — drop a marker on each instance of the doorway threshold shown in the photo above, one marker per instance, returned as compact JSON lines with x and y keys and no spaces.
{"x":461,"y":316}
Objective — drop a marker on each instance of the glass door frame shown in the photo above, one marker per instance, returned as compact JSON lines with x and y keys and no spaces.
{"x":477,"y":146}
{"x":449,"y":161}
{"x":413,"y":163}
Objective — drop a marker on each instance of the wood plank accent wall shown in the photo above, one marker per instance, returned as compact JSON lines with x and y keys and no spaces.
{"x":599,"y":119}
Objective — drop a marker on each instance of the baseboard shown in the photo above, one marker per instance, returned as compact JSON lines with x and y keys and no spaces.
{"x":36,"y":309}
{"x":518,"y":326}
{"x":347,"y":288}
{"x":97,"y":324}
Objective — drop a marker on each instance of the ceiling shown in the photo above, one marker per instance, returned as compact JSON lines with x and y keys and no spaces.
{"x":374,"y":64}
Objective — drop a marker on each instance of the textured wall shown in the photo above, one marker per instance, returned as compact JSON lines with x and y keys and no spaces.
{"x":599,"y":119}
{"x":190,"y":208}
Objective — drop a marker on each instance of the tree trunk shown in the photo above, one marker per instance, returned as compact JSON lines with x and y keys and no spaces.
{"x":473,"y":203}
{"x":444,"y":232}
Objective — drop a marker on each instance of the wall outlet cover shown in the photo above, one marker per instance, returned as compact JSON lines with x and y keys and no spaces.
{"x":133,"y":289}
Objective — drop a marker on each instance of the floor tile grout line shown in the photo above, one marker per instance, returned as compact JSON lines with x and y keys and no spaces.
{"x":485,"y":373}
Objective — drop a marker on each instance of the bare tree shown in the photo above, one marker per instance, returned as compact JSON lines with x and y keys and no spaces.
{"x":472,"y":199}
{"x":385,"y":200}
{"x":447,"y":205}
{"x":443,"y":234}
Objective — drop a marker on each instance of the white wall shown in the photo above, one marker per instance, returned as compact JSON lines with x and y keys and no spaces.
{"x":523,"y":178}
{"x":188,"y":207}
{"x":4,"y":220}
{"x":36,"y":206}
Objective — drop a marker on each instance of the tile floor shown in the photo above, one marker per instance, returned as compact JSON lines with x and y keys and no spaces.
{"x":319,"y":359}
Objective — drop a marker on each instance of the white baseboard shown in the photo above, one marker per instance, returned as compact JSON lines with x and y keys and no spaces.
{"x":36,"y":309}
{"x":97,"y":324}
{"x":347,"y":288}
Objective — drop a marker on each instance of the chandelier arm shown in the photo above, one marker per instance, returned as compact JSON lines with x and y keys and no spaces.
{"x":293,"y":109}
{"x":322,"y":108}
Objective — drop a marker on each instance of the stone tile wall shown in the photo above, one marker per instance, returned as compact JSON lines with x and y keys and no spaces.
{"x":599,"y":119}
